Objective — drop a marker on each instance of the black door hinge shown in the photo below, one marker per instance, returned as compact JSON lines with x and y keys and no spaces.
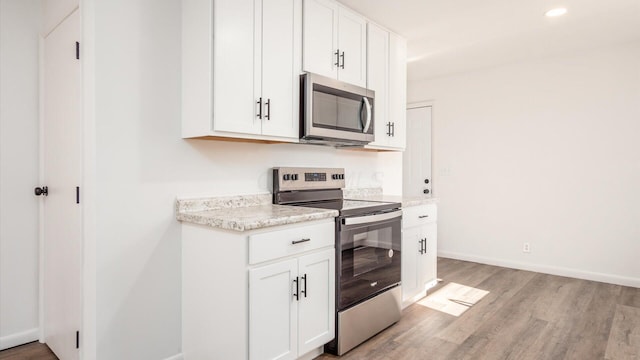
{"x":77,"y":50}
{"x":77,"y":194}
{"x":77,"y":339}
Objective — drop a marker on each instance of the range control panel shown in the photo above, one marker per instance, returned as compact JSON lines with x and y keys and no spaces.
{"x":295,"y":178}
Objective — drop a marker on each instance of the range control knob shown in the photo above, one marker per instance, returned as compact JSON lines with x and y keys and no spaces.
{"x":342,"y":176}
{"x":294,"y":176}
{"x":334,"y":176}
{"x":285,"y":177}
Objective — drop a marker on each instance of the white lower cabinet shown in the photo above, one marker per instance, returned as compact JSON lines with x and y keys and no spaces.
{"x":262,"y":294}
{"x":291,"y":306}
{"x":419,"y":251}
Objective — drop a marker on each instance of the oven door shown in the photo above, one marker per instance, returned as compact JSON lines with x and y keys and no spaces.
{"x":368,"y":256}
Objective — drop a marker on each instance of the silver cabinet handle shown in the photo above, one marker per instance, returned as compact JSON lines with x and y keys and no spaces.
{"x":299,"y":241}
{"x":368,"y":106}
{"x":337,"y":54}
{"x":342,"y":56}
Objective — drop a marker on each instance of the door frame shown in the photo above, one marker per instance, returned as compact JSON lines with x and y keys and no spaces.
{"x":421,"y":104}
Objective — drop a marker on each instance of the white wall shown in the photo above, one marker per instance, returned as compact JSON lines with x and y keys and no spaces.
{"x":20,"y":22}
{"x":545,"y":152}
{"x":143,"y":164}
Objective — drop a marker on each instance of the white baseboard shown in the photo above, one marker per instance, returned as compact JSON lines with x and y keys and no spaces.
{"x":176,"y":357}
{"x":20,"y":338}
{"x":546,"y":269}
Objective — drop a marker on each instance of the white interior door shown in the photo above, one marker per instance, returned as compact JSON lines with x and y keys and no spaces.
{"x":416,"y":159}
{"x":62,"y":174}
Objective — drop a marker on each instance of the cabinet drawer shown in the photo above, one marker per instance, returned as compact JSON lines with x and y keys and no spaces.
{"x":417,"y":215}
{"x":276,"y":244}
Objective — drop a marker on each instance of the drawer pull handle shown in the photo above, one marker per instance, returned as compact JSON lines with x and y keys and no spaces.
{"x":299,"y":241}
{"x":423,"y":216}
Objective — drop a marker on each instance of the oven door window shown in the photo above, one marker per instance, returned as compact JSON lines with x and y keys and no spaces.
{"x":369,"y":261}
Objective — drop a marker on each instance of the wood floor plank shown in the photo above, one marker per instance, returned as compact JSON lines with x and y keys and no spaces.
{"x":630,"y":297}
{"x":590,"y":336}
{"x":502,"y":285}
{"x":31,"y":351}
{"x":624,"y":339}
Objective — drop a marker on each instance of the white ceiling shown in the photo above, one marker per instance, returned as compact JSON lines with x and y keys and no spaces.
{"x":452,"y":36}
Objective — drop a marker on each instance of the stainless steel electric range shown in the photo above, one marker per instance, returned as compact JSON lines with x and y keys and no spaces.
{"x":368,"y":243}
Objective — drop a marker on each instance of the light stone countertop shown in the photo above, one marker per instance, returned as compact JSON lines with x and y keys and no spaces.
{"x":245,"y":212}
{"x":375,"y":194}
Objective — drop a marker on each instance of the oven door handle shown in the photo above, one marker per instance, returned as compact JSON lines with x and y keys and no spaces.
{"x":371,"y":218}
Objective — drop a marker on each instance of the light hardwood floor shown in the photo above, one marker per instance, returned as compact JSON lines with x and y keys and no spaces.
{"x":525,"y":315}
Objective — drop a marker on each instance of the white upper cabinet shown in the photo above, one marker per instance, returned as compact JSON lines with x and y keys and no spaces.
{"x":281,"y":66}
{"x":334,"y":41}
{"x":320,"y":31}
{"x":352,"y":47}
{"x":378,"y":78}
{"x":398,"y":91}
{"x":387,"y":76}
{"x":241,"y":61}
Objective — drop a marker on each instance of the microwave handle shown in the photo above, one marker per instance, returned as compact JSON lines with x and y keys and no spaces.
{"x":368,"y":106}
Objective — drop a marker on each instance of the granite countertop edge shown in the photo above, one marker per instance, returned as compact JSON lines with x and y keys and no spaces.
{"x":255,"y":217}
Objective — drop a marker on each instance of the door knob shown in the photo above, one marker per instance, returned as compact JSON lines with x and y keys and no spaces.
{"x":426,"y":181}
{"x":426,"y":191}
{"x":41,"y":191}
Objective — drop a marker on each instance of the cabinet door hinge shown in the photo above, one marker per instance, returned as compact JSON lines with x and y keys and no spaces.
{"x":77,"y":339}
{"x":77,"y":50}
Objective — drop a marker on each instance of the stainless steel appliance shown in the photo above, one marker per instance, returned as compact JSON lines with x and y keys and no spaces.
{"x":368,"y":243}
{"x":335,"y":113}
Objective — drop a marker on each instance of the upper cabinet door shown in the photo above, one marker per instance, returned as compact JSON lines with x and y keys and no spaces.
{"x":280,"y":66}
{"x":234,"y":107}
{"x":398,"y":93}
{"x":320,"y":32}
{"x":352,"y":46}
{"x":378,"y":78}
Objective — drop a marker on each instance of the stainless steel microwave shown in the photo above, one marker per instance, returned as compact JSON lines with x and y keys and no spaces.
{"x":335,"y":113}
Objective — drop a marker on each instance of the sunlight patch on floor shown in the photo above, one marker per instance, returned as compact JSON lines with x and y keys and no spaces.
{"x":453,"y":299}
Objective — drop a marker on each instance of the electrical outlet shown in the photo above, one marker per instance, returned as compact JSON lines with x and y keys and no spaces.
{"x":526,"y":248}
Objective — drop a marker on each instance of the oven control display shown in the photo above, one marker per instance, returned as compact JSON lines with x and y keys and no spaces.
{"x":315,"y":176}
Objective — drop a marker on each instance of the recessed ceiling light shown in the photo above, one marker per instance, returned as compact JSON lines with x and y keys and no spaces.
{"x":556,"y":12}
